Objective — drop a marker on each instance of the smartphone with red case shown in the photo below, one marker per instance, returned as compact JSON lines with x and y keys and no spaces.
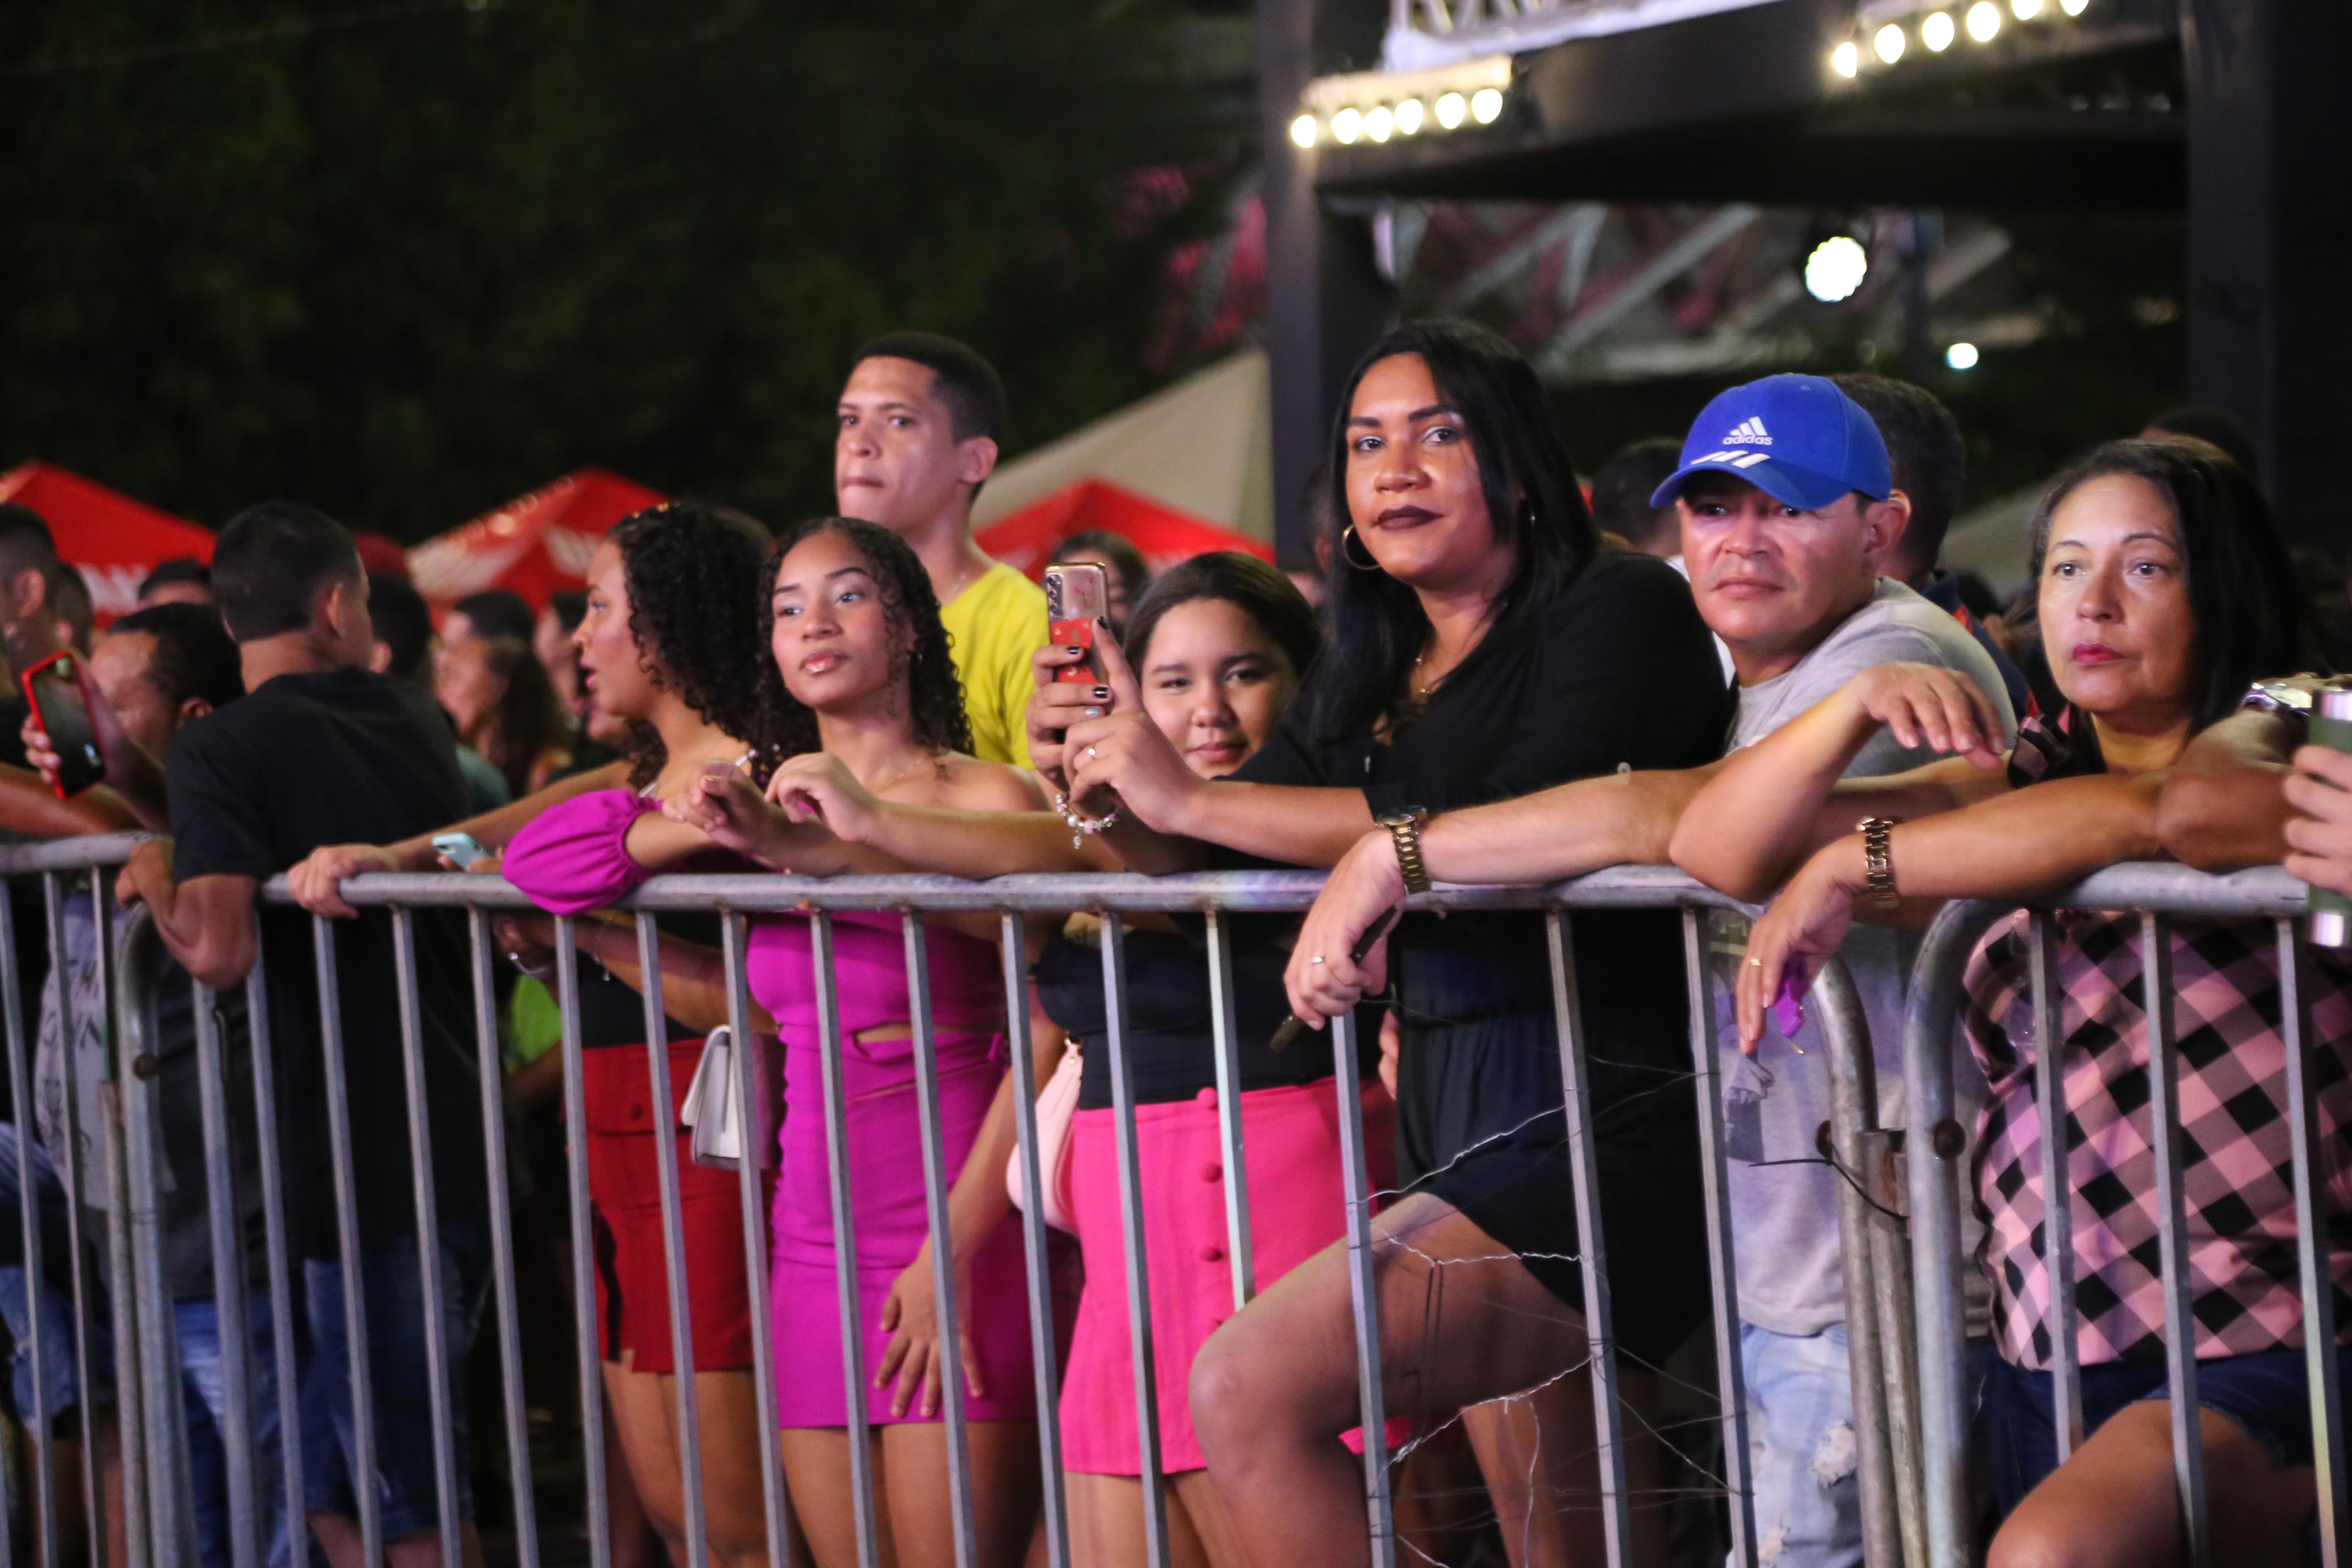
{"x":54,"y":688}
{"x":1077,"y":596}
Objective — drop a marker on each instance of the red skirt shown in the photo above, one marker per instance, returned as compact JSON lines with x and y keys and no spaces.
{"x":625,"y":1193}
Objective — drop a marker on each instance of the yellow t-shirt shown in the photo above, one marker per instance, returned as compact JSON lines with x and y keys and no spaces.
{"x":994,"y":626}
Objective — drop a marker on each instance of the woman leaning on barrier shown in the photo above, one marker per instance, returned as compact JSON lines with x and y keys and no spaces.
{"x":2164,"y":591}
{"x":1485,"y":645}
{"x":857,"y":666}
{"x":1219,"y":644}
{"x":669,"y":631}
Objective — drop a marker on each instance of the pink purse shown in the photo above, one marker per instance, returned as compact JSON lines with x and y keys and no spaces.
{"x":1056,"y":1103}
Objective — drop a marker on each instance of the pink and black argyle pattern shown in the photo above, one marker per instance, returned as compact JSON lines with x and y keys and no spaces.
{"x":2237,"y":1164}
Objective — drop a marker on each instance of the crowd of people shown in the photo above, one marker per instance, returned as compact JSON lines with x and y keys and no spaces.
{"x":1739,"y":657}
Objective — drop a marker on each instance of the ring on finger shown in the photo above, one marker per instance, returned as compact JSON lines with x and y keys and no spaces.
{"x":1092,"y":753}
{"x":1316,"y":960}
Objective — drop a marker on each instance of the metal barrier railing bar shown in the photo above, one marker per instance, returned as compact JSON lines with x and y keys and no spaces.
{"x":2158,"y":893}
{"x":1880,"y":1360}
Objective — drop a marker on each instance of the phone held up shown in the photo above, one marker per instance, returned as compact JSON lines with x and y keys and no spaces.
{"x":461,"y":848}
{"x":1077,"y":598}
{"x":54,"y":688}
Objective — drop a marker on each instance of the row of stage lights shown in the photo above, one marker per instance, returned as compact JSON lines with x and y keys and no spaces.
{"x":1448,"y":111}
{"x":1938,"y":30}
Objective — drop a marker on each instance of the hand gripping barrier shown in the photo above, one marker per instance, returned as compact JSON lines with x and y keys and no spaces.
{"x":238,"y":1080}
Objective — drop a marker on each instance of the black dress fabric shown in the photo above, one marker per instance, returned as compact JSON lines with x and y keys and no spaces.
{"x":1618,"y":674}
{"x":1170,"y":1041}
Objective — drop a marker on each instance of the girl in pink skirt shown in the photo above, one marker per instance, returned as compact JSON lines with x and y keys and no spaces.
{"x":859,"y":670}
{"x":1219,"y":646}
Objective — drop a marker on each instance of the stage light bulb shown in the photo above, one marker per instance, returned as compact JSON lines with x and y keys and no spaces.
{"x":1409,"y":115}
{"x":1846,"y":58}
{"x":1379,"y":122}
{"x":1487,"y":105}
{"x":1346,"y":126}
{"x":1984,"y":21}
{"x":2073,"y":8}
{"x":1889,"y":42}
{"x":2025,"y":10}
{"x":1962,"y":356}
{"x":1836,"y":269}
{"x":1302,"y":131}
{"x":1936,"y":32}
{"x":1451,"y":108}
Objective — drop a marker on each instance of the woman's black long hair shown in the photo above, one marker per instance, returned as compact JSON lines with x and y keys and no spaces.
{"x":785,"y":726}
{"x":527,"y":722}
{"x":2241,"y":585}
{"x":1269,"y":598}
{"x":689,"y":568}
{"x":1377,"y":625}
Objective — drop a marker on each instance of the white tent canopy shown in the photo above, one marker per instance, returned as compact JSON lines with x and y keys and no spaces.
{"x":1203,"y":446}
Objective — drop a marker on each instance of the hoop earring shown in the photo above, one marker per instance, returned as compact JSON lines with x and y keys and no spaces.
{"x":1348,"y":537}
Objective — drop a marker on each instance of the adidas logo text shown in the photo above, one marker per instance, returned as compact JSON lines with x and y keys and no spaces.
{"x":1750,"y":433}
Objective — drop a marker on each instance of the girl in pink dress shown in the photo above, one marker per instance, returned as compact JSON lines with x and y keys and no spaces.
{"x":859,"y":670}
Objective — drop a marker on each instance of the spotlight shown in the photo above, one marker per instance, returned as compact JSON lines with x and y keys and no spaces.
{"x":2025,"y":10}
{"x":1451,"y":108}
{"x":1836,"y":269}
{"x":1936,"y":32}
{"x":1302,"y":131}
{"x":1846,"y":58}
{"x":1961,"y":356}
{"x":2073,"y":8}
{"x":1379,"y":122}
{"x":1889,"y":42}
{"x":1984,"y":21}
{"x":1346,"y":126}
{"x":1409,"y":116}
{"x":1486,"y":106}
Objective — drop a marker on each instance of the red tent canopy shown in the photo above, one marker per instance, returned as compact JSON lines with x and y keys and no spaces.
{"x":1167,"y":536}
{"x":535,"y":545}
{"x":114,"y":540}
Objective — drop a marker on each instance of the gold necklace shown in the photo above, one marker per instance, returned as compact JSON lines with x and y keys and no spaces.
{"x":903,"y":774}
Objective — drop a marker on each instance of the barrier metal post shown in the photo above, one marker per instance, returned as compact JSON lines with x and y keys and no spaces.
{"x":845,"y":1238}
{"x":1131,"y":1208}
{"x":1043,"y":1352}
{"x":749,"y":1189}
{"x":240,"y":1475}
{"x":1363,"y":1287}
{"x":583,"y":1242}
{"x":2319,"y":1349}
{"x":348,"y":1240}
{"x":506,"y":1322}
{"x":274,"y":1249}
{"x":28,"y":1214}
{"x":1722,"y":1267}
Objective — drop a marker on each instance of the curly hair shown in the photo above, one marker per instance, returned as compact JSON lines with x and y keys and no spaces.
{"x":785,"y":726}
{"x":689,"y":569}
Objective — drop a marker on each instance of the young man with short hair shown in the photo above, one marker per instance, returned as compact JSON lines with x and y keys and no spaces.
{"x":322,"y":751}
{"x":1787,"y":528}
{"x":920,"y":420}
{"x":1621,"y":497}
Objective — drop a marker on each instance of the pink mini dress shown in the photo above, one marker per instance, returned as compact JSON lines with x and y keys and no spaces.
{"x":573,"y":860}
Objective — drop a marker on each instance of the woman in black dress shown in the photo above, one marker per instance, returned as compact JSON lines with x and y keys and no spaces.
{"x":1486,"y":645}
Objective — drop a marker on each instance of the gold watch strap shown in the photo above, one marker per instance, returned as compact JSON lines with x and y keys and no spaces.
{"x":1404,"y":831}
{"x":1878,"y":861}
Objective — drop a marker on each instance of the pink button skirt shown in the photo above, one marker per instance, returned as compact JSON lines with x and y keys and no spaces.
{"x":1291,"y":1140}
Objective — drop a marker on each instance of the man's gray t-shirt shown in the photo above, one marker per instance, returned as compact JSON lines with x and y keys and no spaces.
{"x":1784,"y":1216}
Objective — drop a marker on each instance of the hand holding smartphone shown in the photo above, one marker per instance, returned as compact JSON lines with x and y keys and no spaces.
{"x":53,"y":689}
{"x":1078,"y":599}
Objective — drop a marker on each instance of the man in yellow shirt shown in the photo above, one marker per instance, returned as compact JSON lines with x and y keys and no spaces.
{"x":920,"y":422}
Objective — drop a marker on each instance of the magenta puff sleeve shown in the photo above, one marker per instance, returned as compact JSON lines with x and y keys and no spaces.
{"x":573,"y":857}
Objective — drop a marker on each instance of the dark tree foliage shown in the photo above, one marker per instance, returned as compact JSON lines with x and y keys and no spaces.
{"x":404,"y":261}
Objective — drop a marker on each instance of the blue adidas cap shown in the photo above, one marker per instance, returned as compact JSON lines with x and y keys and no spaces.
{"x":1798,"y":439}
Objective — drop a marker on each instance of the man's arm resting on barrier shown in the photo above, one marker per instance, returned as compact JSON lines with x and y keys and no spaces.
{"x":2224,"y":804}
{"x":207,"y":921}
{"x":31,"y":810}
{"x":317,"y":882}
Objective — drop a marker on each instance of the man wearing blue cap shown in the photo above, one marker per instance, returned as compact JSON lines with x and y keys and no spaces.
{"x":1788,"y":529}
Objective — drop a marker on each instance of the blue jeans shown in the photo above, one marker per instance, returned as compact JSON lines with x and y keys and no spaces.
{"x":1802,"y":1451}
{"x":400,"y":1375}
{"x":196,"y":1325}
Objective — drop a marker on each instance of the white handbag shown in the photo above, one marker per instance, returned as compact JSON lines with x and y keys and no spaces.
{"x":714,"y":1109}
{"x":1056,"y":1103}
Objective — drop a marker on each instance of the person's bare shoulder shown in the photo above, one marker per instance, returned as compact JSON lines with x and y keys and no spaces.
{"x":967,"y":784}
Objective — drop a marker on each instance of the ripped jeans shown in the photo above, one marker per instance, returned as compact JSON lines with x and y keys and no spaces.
{"x":1801,"y":1449}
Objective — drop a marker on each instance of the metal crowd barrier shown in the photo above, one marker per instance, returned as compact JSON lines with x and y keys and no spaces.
{"x":1939,"y":1168}
{"x":156,"y":1447}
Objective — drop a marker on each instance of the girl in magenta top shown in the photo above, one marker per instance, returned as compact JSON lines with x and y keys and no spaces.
{"x":859,"y":669}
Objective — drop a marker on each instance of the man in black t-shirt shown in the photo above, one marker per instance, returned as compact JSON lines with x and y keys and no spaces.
{"x":322,"y":751}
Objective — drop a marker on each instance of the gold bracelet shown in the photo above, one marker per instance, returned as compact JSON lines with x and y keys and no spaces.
{"x":1878,"y":862}
{"x":1404,"y":832}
